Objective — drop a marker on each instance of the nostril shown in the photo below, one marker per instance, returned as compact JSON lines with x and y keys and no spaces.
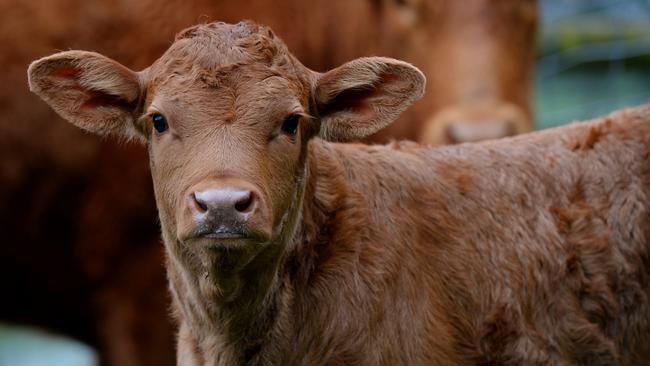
{"x":245,"y":203}
{"x":200,"y":204}
{"x":223,"y":202}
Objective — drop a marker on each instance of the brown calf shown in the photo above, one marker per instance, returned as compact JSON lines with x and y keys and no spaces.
{"x":68,"y":189}
{"x":283,"y":248}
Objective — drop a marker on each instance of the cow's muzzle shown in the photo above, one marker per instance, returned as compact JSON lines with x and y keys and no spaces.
{"x":224,"y":212}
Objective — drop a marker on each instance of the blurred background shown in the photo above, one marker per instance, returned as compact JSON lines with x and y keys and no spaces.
{"x":82,"y":266}
{"x":593,"y":57}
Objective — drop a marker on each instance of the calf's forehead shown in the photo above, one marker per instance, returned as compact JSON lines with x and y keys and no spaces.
{"x":244,"y":97}
{"x":230,"y":72}
{"x":209,"y":52}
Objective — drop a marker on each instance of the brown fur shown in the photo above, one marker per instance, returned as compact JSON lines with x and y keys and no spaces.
{"x":519,"y":251}
{"x":62,"y":186}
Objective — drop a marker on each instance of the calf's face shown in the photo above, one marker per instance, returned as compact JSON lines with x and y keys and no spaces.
{"x":228,"y":155}
{"x":226,"y":113}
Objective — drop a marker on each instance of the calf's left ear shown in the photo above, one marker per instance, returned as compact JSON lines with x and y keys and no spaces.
{"x":89,"y":90}
{"x":362,"y":96}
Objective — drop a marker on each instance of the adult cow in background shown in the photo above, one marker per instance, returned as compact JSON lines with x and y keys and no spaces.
{"x":78,"y":213}
{"x":478,"y":57}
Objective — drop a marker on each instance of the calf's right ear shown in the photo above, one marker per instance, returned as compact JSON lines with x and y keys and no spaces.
{"x":89,"y":90}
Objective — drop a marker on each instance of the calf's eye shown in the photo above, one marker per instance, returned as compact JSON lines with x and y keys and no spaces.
{"x":290,"y":125}
{"x":159,"y":122}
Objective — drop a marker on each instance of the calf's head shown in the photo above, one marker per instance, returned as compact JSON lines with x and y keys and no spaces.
{"x":226,"y":113}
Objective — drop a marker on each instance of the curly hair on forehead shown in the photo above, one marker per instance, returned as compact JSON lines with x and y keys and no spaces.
{"x":250,"y":41}
{"x":217,"y":48}
{"x":242,"y":29}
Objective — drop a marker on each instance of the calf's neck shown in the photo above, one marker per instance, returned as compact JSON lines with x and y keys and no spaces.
{"x":285,"y":246}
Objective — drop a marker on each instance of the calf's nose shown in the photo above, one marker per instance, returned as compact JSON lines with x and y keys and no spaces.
{"x":231,"y":203}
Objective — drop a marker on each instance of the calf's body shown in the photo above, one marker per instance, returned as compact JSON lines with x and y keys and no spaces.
{"x":284,"y":248}
{"x":531,"y":250}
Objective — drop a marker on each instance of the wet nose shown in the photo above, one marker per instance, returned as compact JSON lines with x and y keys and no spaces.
{"x":471,"y":131}
{"x":231,"y":203}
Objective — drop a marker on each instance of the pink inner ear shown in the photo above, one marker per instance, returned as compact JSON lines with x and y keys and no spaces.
{"x":100,"y":99}
{"x":354,"y":100}
{"x":94,"y":98}
{"x":390,"y":77}
{"x":66,"y":72}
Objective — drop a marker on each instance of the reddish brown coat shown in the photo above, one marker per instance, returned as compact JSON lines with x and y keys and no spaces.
{"x":530,"y":250}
